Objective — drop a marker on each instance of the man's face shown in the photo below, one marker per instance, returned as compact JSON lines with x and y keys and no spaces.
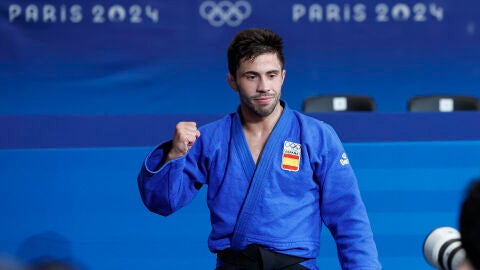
{"x":259,"y":84}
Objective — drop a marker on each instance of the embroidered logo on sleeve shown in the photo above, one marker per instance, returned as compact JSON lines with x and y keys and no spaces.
{"x":291,"y":156}
{"x":344,"y":160}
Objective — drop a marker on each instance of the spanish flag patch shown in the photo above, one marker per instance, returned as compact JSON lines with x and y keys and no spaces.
{"x":291,"y":156}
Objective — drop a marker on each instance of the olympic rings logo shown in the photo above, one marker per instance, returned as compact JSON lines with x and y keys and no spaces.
{"x":227,"y":12}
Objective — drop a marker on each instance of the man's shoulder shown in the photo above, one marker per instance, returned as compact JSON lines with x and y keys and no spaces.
{"x":316,"y":128}
{"x":310,"y":120}
{"x":222,"y":124}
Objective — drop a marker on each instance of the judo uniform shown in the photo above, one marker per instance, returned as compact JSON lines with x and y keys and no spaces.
{"x":302,"y":178}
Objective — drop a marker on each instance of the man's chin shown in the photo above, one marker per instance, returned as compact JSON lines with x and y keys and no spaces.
{"x":264,"y":111}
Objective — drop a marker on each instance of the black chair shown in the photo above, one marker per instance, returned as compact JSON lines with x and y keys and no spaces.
{"x":338,"y":103}
{"x":443,"y":103}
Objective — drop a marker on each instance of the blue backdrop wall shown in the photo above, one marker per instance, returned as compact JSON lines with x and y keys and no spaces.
{"x":152,"y":56}
{"x":82,"y":205}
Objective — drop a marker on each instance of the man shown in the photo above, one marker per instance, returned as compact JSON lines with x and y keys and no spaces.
{"x":273,"y":174}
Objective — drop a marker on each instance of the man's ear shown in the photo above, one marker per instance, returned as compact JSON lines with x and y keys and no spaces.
{"x":232,"y":82}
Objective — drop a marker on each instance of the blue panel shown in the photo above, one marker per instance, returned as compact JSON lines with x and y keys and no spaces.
{"x":83,"y":205}
{"x":151,"y":56}
{"x":39,"y":131}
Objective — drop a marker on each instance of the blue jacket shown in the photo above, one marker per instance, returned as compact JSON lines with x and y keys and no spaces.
{"x":303,"y":178}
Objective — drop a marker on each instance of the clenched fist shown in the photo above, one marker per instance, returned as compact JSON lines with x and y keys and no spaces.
{"x":186,"y":133}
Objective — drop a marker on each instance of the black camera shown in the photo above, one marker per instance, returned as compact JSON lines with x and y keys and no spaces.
{"x":442,"y":248}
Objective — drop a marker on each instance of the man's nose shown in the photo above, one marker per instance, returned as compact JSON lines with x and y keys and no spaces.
{"x":263,"y":85}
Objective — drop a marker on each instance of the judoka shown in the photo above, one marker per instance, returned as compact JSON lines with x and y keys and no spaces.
{"x":273,"y":174}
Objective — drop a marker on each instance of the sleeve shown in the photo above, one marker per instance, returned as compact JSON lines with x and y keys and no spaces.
{"x":168,"y":187}
{"x":343,"y":211}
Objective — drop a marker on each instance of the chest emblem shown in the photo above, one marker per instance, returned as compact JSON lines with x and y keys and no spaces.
{"x":291,"y":156}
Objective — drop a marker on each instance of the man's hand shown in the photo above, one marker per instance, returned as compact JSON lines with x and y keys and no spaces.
{"x":186,"y":133}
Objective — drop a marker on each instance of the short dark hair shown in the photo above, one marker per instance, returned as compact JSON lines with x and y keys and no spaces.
{"x":250,"y":43}
{"x":470,"y":224}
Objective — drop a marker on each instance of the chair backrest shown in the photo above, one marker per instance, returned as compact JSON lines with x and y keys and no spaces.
{"x":338,"y":103}
{"x":443,"y":103}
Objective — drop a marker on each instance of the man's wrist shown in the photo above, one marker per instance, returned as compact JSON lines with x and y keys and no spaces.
{"x":173,"y":155}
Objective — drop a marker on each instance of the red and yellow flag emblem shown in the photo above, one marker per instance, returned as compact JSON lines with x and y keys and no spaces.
{"x":291,"y":156}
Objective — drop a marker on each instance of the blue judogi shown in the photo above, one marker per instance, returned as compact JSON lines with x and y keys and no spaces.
{"x":303,"y":178}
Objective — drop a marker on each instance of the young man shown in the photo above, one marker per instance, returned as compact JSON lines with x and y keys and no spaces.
{"x":273,"y":174}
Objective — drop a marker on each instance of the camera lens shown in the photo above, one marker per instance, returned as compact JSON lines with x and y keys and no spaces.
{"x":443,"y":248}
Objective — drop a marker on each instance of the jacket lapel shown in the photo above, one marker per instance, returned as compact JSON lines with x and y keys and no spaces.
{"x":258,"y":175}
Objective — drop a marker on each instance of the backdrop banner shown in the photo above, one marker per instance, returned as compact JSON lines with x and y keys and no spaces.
{"x":152,"y":56}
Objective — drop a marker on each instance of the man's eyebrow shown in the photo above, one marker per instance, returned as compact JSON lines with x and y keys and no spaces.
{"x":250,"y":72}
{"x":275,"y":71}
